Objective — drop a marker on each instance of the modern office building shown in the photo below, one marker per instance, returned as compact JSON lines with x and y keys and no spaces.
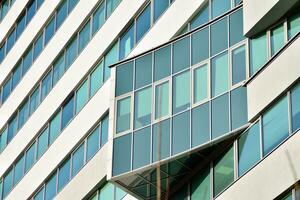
{"x":150,"y":99}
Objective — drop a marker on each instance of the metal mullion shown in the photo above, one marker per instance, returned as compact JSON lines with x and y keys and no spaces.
{"x":261,"y":138}
{"x":236,"y":160}
{"x":56,"y":185}
{"x":289,"y":102}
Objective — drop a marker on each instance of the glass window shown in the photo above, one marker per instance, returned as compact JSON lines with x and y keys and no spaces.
{"x":159,"y":7}
{"x":122,"y":154}
{"x":201,"y":18}
{"x":46,"y":85}
{"x":50,"y":188}
{"x":17,"y":75}
{"x":142,"y":107}
{"x":220,"y":116}
{"x":84,"y":36}
{"x":181,"y":54}
{"x":120,"y":194}
{"x":124,"y":78}
{"x":54,"y":127}
{"x":107,"y":192}
{"x":42,"y":143}
{"x":161,"y":131}
{"x":18,"y":170}
{"x":110,"y":6}
{"x":143,"y":71}
{"x":258,"y":53}
{"x":162,"y":63}
{"x":3,"y":138}
{"x":71,"y":52}
{"x":39,"y":195}
{"x":6,"y":90}
{"x":200,"y":83}
{"x":296,"y":108}
{"x":277,"y":39}
{"x":294,"y":25}
{"x":27,"y":61}
{"x":12,"y":128}
{"x":30,"y":11}
{"x":239,"y":113}
{"x":67,"y":112}
{"x":127,"y":42}
{"x":7,"y":183}
{"x":223,"y":171}
{"x":61,"y":14}
{"x":92,"y":144}
{"x":275,"y":125}
{"x":236,"y":27}
{"x":238,"y":65}
{"x":2,"y":52}
{"x":200,"y":125}
{"x":38,"y":46}
{"x":162,"y":100}
{"x":219,"y":70}
{"x":143,"y":23}
{"x":20,"y":25}
{"x":23,"y":114}
{"x":181,"y":133}
{"x":10,"y":41}
{"x":200,"y":186}
{"x":71,"y":5}
{"x":181,"y":92}
{"x":96,"y":79}
{"x":58,"y":69}
{"x":219,"y":36}
{"x":98,"y":18}
{"x":104,"y":130}
{"x":123,"y":114}
{"x":34,"y":100}
{"x":30,"y":157}
{"x":249,"y":149}
{"x":77,"y":160}
{"x":82,"y":96}
{"x":141,"y":148}
{"x":39,"y":3}
{"x":63,"y":174}
{"x":49,"y":30}
{"x":4,"y":8}
{"x":200,"y":46}
{"x":219,"y":7}
{"x":111,"y":57}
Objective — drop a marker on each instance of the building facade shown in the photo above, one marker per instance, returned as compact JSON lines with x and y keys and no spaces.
{"x":149,"y":99}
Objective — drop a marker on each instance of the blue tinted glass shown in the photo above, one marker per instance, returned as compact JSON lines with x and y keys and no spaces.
{"x":124,"y":78}
{"x":143,"y":23}
{"x":10,"y":41}
{"x":4,"y":8}
{"x":219,"y":7}
{"x":20,"y":25}
{"x":111,"y":57}
{"x":42,"y":143}
{"x":181,"y":92}
{"x":12,"y":128}
{"x":92,"y":144}
{"x":17,"y":75}
{"x":294,"y":25}
{"x":161,"y":135}
{"x":67,"y":113}
{"x":38,"y":46}
{"x":7,"y":183}
{"x":6,"y":90}
{"x":126,"y":42}
{"x":39,"y":3}
{"x":121,"y":154}
{"x":181,"y":133}
{"x":159,"y":7}
{"x":63,"y":174}
{"x":219,"y":74}
{"x":277,"y":39}
{"x":3,"y":138}
{"x":236,"y":27}
{"x":71,"y":52}
{"x":104,"y":130}
{"x":219,"y":36}
{"x":96,"y":79}
{"x":2,"y":52}
{"x":34,"y":100}
{"x":143,"y":71}
{"x":72,"y":4}
{"x":141,"y":148}
{"x":123,"y":114}
{"x":162,"y":63}
{"x":49,"y":31}
{"x":30,"y":11}
{"x":98,"y":18}
{"x":200,"y":46}
{"x":296,"y":108}
{"x":54,"y":127}
{"x":220,"y":116}
{"x":46,"y":85}
{"x":18,"y":170}
{"x":84,"y":36}
{"x":110,"y":6}
{"x":23,"y":114}
{"x":238,"y":65}
{"x":200,"y":125}
{"x":239,"y":114}
{"x":81,"y":96}
{"x":77,"y":160}
{"x":258,"y":53}
{"x":61,"y":14}
{"x":58,"y":69}
{"x":30,"y":157}
{"x":39,"y":195}
{"x":142,"y":107}
{"x":181,"y":54}
{"x":27,"y":61}
{"x":50,"y":188}
{"x":201,"y":18}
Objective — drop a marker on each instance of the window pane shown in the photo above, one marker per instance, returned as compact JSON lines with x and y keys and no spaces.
{"x":110,"y":6}
{"x":123,"y":114}
{"x":294,"y":25}
{"x":63,"y":174}
{"x":2,"y":52}
{"x":71,"y":5}
{"x":71,"y":52}
{"x":67,"y":113}
{"x":20,"y":25}
{"x":200,"y":83}
{"x":239,"y":113}
{"x":162,"y":63}
{"x":249,"y":149}
{"x":39,"y":195}
{"x":141,"y":148}
{"x":18,"y":171}
{"x":92,"y":144}
{"x":238,"y":65}
{"x":122,"y":154}
{"x":159,"y":7}
{"x":7,"y":183}
{"x":42,"y":143}
{"x":181,"y":133}
{"x":34,"y":100}
{"x":120,"y":194}
{"x":61,"y":14}
{"x":98,"y":18}
{"x":46,"y":85}
{"x":181,"y":92}
{"x":4,"y":8}
{"x":104,"y":130}
{"x":96,"y":79}
{"x":219,"y":70}
{"x":277,"y":39}
{"x":223,"y":172}
{"x":162,"y":100}
{"x":142,"y":107}
{"x":50,"y":188}
{"x":10,"y":41}
{"x":23,"y":114}
{"x":124,"y":78}
{"x":143,"y":71}
{"x":3,"y":137}
{"x":219,"y":36}
{"x":111,"y":57}
{"x":220,"y":116}
{"x":38,"y":46}
{"x":107,"y":192}
{"x":275,"y":125}
{"x":143,"y":23}
{"x":30,"y":157}
{"x":49,"y":31}
{"x":181,"y":54}
{"x":30,"y":11}
{"x":296,"y":108}
{"x":258,"y":53}
{"x":54,"y":127}
{"x":6,"y":90}
{"x":201,"y":18}
{"x":27,"y":61}
{"x":161,"y":131}
{"x":77,"y":160}
{"x":200,"y":125}
{"x":200,"y":187}
{"x":200,"y":46}
{"x":219,"y":7}
{"x":58,"y":69}
{"x":236,"y":27}
{"x":82,"y":96}
{"x":84,"y":36}
{"x":12,"y":128}
{"x":127,"y":42}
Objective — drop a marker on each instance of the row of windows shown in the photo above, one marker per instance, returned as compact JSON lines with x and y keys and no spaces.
{"x":18,"y":28}
{"x":267,"y":44}
{"x":74,"y":162}
{"x":35,"y":48}
{"x":60,"y":66}
{"x":108,"y":191}
{"x":5,"y":5}
{"x":182,"y":132}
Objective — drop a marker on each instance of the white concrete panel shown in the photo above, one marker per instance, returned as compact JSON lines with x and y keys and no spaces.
{"x":275,"y":174}
{"x":273,"y":80}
